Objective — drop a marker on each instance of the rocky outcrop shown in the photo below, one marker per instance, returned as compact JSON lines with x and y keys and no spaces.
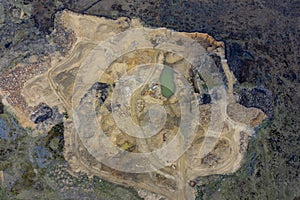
{"x":204,"y":99}
{"x":100,"y":91}
{"x":1,"y":107}
{"x":258,"y":98}
{"x":42,"y":113}
{"x":239,"y":60}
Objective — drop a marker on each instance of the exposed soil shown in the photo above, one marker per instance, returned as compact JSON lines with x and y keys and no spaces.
{"x":262,"y":40}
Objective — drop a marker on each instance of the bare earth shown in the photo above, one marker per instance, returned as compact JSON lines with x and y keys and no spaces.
{"x":217,"y":147}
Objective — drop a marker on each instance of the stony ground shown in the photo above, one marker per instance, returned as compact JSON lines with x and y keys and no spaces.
{"x":262,"y":40}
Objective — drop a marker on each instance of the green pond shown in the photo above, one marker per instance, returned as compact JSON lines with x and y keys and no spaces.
{"x":167,"y":82}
